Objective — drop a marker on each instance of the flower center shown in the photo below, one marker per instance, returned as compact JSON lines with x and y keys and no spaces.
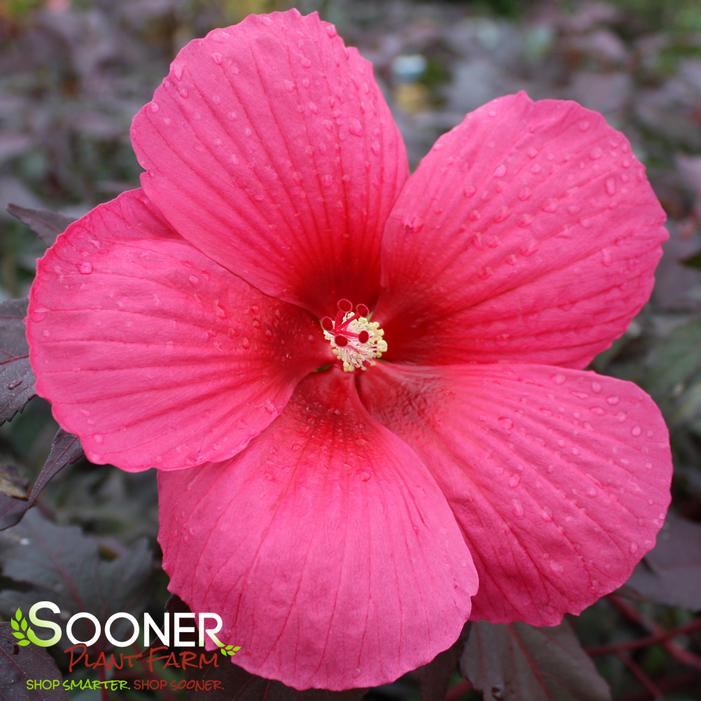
{"x":355,"y":340}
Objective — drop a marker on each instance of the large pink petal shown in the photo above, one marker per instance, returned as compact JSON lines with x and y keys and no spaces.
{"x":559,"y":478}
{"x":270,"y":147}
{"x":529,"y":233}
{"x":152,"y":353}
{"x":326,"y":546}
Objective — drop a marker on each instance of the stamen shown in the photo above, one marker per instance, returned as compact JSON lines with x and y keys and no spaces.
{"x":355,"y":340}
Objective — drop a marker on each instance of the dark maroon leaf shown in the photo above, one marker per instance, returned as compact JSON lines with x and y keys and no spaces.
{"x":65,"y":450}
{"x":64,"y":564}
{"x":18,"y":664}
{"x":46,"y":225}
{"x":693,"y":261}
{"x":16,"y":377}
{"x":434,"y":678}
{"x":671,"y":572}
{"x":518,"y":661}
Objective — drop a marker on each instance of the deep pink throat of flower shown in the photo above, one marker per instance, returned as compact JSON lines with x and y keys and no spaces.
{"x":339,"y":521}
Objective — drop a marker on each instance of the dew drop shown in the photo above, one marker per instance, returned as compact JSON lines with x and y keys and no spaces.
{"x":217,"y":58}
{"x":99,"y":438}
{"x":611,"y":186}
{"x":518,"y":507}
{"x":556,"y":566}
{"x":613,"y":399}
{"x":636,"y":431}
{"x":246,"y":342}
{"x":559,"y":378}
{"x":505,"y":422}
{"x":355,"y":127}
{"x":500,"y":171}
{"x":85,"y":268}
{"x":514,"y":480}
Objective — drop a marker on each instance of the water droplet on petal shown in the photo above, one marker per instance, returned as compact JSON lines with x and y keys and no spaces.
{"x":85,"y":268}
{"x":505,"y":422}
{"x":355,"y":127}
{"x":517,"y":507}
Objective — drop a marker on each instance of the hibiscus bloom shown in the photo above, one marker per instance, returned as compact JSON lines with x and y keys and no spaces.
{"x":363,"y":390}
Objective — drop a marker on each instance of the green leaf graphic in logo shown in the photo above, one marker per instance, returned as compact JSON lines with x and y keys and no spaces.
{"x":226,"y":650}
{"x":21,"y":629}
{"x":229,"y":650}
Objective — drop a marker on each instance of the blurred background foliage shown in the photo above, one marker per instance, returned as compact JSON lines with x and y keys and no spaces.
{"x":72,"y":74}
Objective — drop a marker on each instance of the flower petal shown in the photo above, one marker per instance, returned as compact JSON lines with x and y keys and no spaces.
{"x":529,"y":233}
{"x":270,"y":147}
{"x":326,"y":547}
{"x":559,"y":478}
{"x":153,"y":354}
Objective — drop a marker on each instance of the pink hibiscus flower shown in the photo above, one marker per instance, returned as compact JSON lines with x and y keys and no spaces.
{"x":344,"y":523}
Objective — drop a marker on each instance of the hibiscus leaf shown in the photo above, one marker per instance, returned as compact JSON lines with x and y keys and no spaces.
{"x":671,"y":573}
{"x":65,"y":450}
{"x":674,"y":370}
{"x":518,"y":661}
{"x":17,"y":666}
{"x":434,"y":678}
{"x":65,"y":565}
{"x":46,"y":225}
{"x":693,"y":261}
{"x":16,"y":377}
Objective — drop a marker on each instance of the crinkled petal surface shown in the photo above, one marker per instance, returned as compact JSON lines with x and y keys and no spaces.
{"x":270,"y":147}
{"x":153,"y":354}
{"x":560,"y":479}
{"x":326,"y":546}
{"x":529,"y":233}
